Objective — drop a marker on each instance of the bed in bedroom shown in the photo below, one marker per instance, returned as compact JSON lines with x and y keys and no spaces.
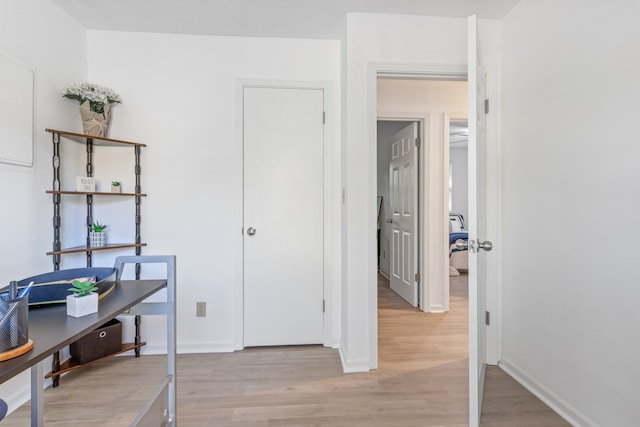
{"x":458,"y":258}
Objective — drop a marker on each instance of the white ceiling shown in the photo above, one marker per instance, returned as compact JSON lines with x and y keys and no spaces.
{"x":319,"y":19}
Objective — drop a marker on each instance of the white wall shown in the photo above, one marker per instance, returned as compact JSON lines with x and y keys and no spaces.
{"x":39,"y":34}
{"x":181,"y":97}
{"x":373,"y":39}
{"x":570,"y":190}
{"x":458,"y":158}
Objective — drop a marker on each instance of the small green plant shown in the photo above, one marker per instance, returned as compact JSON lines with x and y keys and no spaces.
{"x":96,"y":227}
{"x":116,"y":183}
{"x":82,"y":289}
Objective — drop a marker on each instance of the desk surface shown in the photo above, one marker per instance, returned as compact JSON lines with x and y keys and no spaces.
{"x":51,"y":329}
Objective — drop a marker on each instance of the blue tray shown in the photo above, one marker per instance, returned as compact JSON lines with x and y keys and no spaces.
{"x":51,"y":288}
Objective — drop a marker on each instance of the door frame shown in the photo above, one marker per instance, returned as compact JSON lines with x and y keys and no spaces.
{"x":423,"y":125}
{"x":394,"y":70}
{"x":329,"y":231}
{"x":440,"y":72}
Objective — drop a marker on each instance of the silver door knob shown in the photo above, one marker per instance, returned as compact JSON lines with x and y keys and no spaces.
{"x":473,"y":246}
{"x":485,"y":246}
{"x":388,"y":220}
{"x":461,"y":245}
{"x":251,"y":231}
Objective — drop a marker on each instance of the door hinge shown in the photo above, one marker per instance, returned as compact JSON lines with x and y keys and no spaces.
{"x":417,"y":277}
{"x":418,"y":142}
{"x":486,"y":106}
{"x":487,"y":318}
{"x":324,"y":306}
{"x":324,"y":117}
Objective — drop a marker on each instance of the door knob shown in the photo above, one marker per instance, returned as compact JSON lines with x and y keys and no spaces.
{"x":251,"y":231}
{"x":388,"y":220}
{"x":473,"y":246}
{"x":461,"y":245}
{"x":485,"y":246}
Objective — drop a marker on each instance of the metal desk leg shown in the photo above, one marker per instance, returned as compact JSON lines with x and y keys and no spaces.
{"x":168,"y":309}
{"x":37,"y":399}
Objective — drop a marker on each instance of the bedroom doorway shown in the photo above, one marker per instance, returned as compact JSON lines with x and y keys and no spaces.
{"x":431,"y":103}
{"x":458,"y":141}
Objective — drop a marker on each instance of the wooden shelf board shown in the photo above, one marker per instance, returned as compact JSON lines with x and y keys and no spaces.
{"x":98,"y":193}
{"x":97,"y":140}
{"x":76,"y":249}
{"x":71,"y":364}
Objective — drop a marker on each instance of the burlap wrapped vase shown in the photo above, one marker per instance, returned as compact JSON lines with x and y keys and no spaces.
{"x":95,"y":124}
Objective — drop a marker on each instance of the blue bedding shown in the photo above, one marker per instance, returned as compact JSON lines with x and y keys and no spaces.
{"x":456,"y":236}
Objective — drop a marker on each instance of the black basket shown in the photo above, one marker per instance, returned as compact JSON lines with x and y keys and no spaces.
{"x":104,"y":341}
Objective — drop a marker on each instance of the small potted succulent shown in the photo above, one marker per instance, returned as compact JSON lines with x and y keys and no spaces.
{"x":116,"y":187}
{"x":97,"y":235}
{"x":83,"y":299}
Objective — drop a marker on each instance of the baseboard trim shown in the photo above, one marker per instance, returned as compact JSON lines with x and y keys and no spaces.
{"x":436,"y":308}
{"x":566,"y":410}
{"x":207,"y":347}
{"x":350,"y":366}
{"x":385,"y":275}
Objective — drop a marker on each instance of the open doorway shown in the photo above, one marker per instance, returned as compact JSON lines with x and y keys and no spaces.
{"x":410,"y":340}
{"x":458,"y":135}
{"x":435,"y":105}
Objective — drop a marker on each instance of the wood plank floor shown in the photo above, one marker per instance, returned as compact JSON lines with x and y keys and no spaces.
{"x":421,"y":381}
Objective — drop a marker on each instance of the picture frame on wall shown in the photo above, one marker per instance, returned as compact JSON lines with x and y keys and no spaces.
{"x":17,"y":113}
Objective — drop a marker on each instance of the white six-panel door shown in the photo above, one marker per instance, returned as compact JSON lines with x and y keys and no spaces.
{"x":283,"y":216}
{"x":403,"y":181}
{"x":478,"y":247}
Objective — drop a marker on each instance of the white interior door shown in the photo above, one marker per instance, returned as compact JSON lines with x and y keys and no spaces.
{"x":403,"y":181}
{"x":478,"y":248}
{"x":283,"y":216}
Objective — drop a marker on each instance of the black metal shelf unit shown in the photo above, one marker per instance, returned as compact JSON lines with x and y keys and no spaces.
{"x":57,"y":193}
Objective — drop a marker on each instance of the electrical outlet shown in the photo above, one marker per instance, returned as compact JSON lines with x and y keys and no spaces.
{"x":201,"y":309}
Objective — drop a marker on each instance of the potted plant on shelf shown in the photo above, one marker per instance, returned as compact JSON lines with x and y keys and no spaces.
{"x":97,"y":235}
{"x":95,"y":106}
{"x":83,"y":299}
{"x":116,"y":187}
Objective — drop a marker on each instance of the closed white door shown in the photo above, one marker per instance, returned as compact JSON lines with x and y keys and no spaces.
{"x":477,"y":246}
{"x":283,"y":216}
{"x":403,"y":181}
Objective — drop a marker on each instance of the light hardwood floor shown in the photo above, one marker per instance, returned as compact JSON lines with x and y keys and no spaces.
{"x":421,"y":381}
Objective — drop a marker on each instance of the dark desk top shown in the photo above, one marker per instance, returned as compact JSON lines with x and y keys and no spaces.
{"x":51,"y":329}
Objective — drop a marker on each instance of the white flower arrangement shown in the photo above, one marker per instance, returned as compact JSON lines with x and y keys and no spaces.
{"x":97,"y":95}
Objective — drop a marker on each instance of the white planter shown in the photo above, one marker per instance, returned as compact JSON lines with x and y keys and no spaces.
{"x":116,"y":188}
{"x":97,"y":239}
{"x":81,"y":306}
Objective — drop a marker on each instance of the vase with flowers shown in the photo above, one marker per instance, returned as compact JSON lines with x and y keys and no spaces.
{"x":95,"y":106}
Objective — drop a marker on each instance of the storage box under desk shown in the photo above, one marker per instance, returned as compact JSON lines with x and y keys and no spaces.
{"x":105,"y":340}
